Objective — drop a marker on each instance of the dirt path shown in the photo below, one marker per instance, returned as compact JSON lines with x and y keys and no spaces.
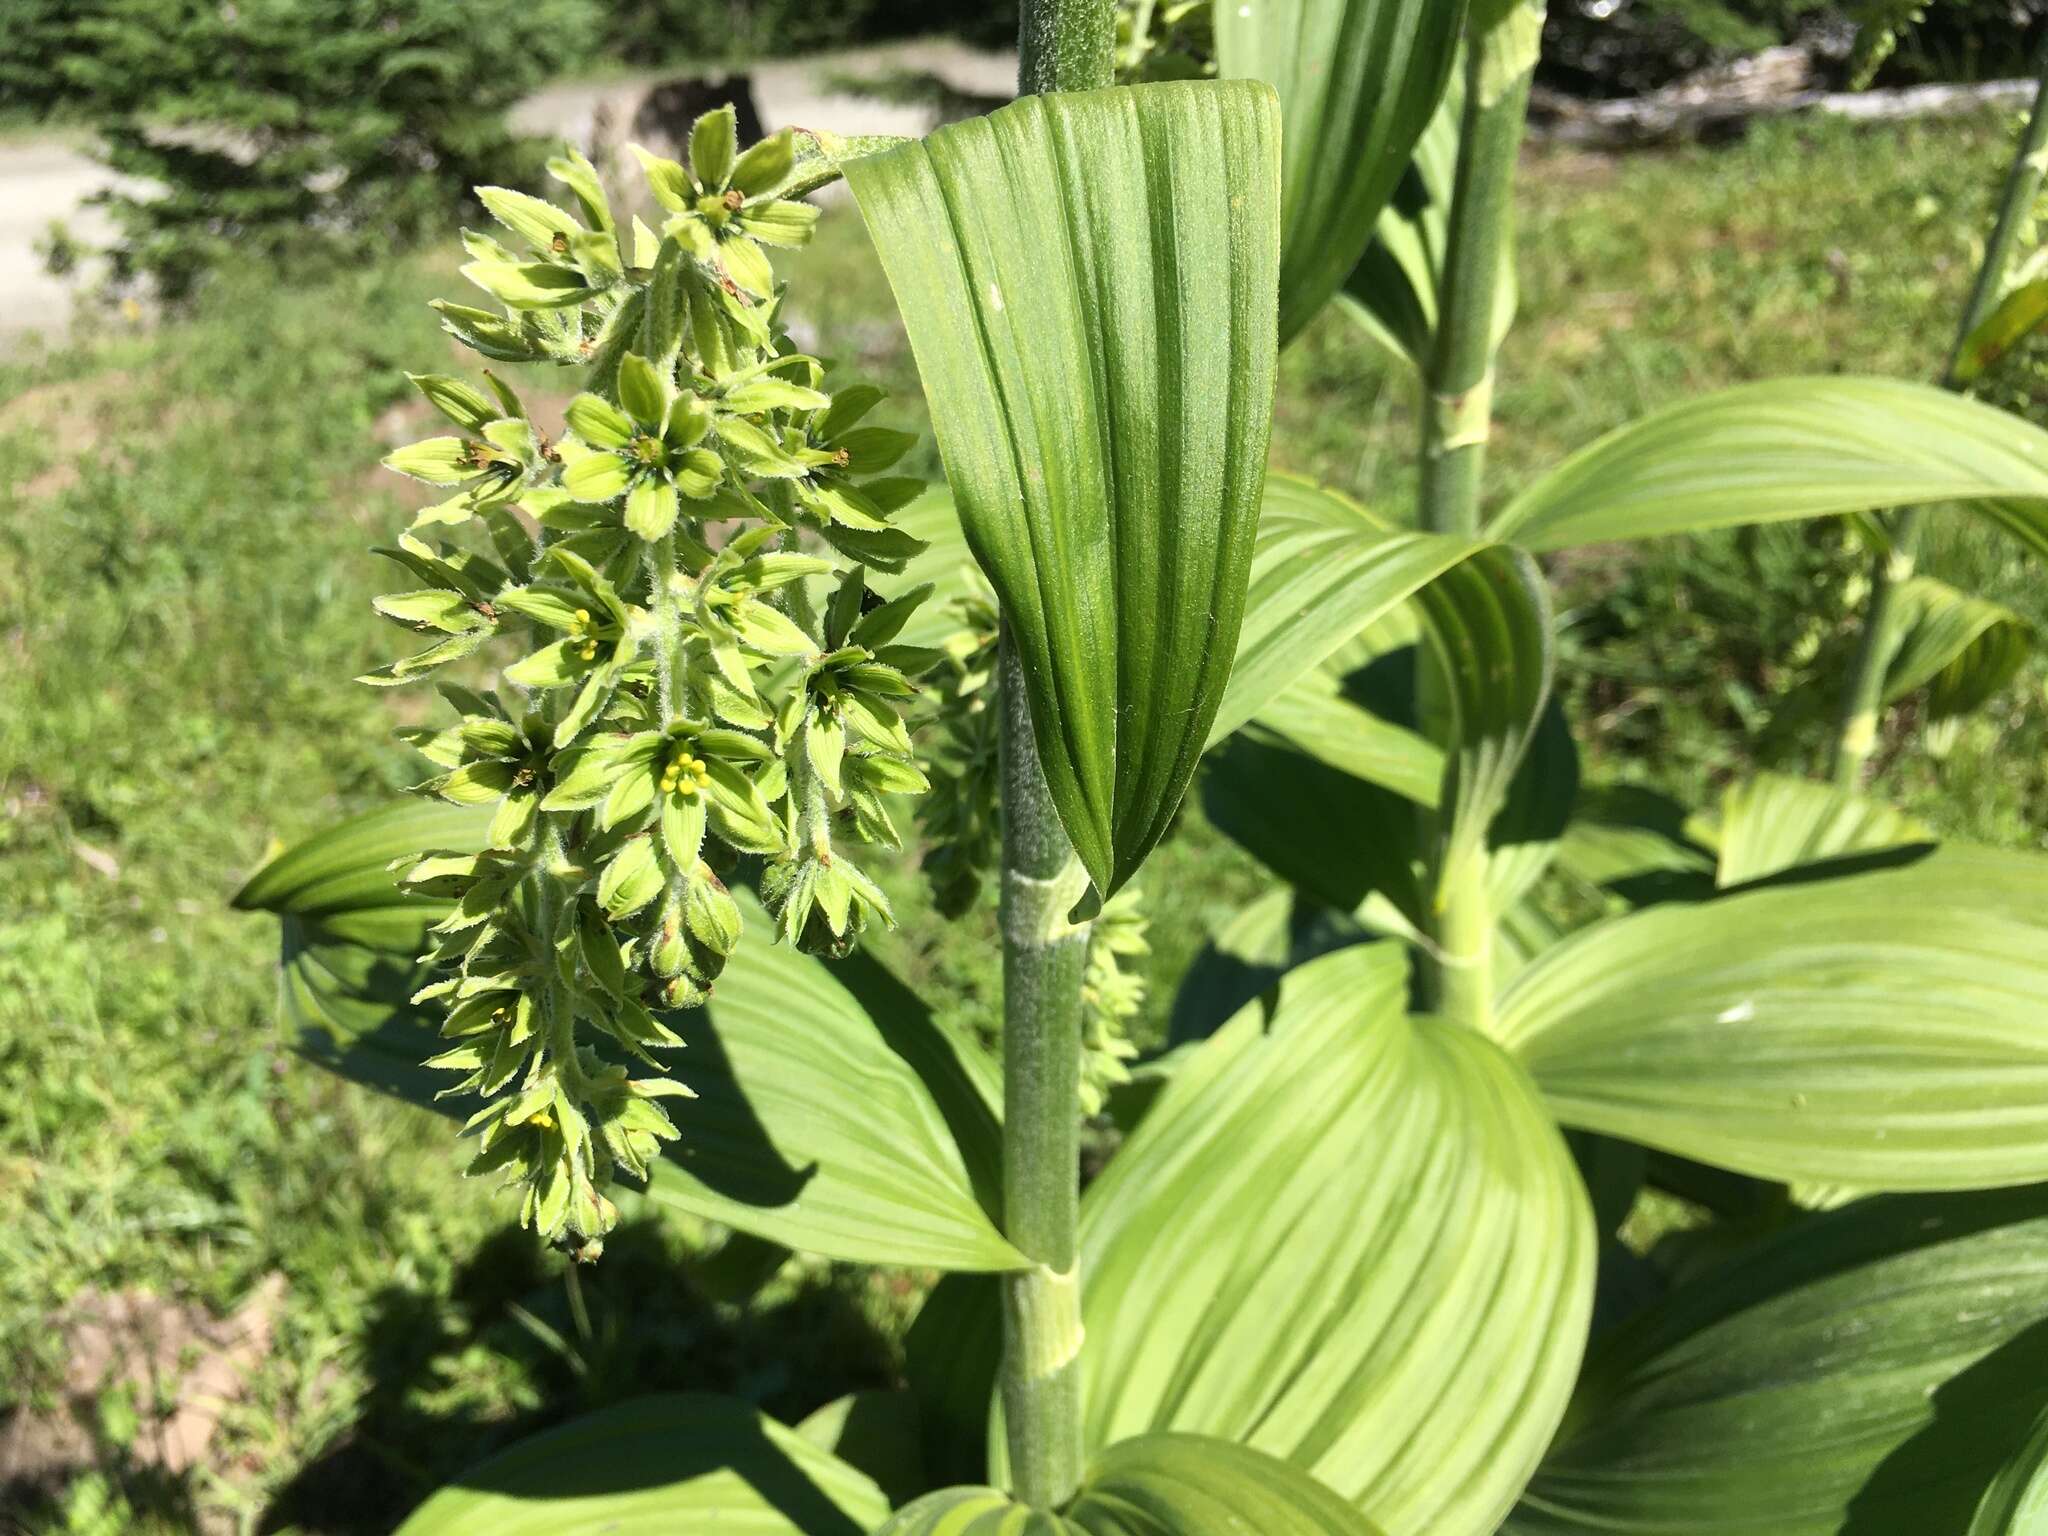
{"x":42,"y":181}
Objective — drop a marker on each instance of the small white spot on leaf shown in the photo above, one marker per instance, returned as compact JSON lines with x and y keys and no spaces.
{"x":995,"y":298}
{"x":1740,"y":1013}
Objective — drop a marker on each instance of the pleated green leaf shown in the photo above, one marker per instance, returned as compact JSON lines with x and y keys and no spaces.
{"x":1358,"y":82}
{"x":1785,"y":449}
{"x":658,"y":1466}
{"x":1323,"y":569}
{"x":1088,"y":283}
{"x":339,"y":878}
{"x":834,"y":1113}
{"x":1880,"y":1028}
{"x":1487,"y":626}
{"x":1774,"y":822}
{"x":1395,"y":292}
{"x":1155,"y":1485}
{"x":1961,"y":648}
{"x":1354,"y":1240}
{"x":2016,"y":1503}
{"x":1865,"y":1374}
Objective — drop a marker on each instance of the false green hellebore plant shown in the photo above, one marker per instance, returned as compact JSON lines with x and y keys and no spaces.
{"x":1341,"y":1274}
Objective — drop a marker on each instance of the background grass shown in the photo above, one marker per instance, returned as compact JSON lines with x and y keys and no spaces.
{"x":184,"y":584}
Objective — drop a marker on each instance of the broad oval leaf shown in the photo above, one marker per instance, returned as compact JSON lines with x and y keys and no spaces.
{"x":834,"y":1113}
{"x":1963,"y":649}
{"x":339,"y":878}
{"x":1355,"y":1241}
{"x":1358,"y":81}
{"x":1784,"y":449}
{"x":1879,"y":1028}
{"x":653,"y":1466}
{"x":1155,"y":1485}
{"x":1088,"y":284}
{"x":1867,"y":1372}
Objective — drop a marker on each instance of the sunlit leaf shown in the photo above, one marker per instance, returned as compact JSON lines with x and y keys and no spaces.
{"x":2016,"y":1503}
{"x":682,"y":1463}
{"x":1354,"y":1240}
{"x":1784,"y":449}
{"x":2016,"y":317}
{"x":1358,"y":81}
{"x":1106,"y":448}
{"x":1879,"y":1027}
{"x":1865,"y":1374}
{"x":1774,"y":822}
{"x":1961,"y":648}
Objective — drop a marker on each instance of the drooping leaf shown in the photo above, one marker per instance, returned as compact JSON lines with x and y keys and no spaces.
{"x":1487,"y":626}
{"x":1961,"y":648}
{"x":1091,"y":307}
{"x":683,"y":1463}
{"x":1785,"y":449}
{"x":1358,"y":80}
{"x":1774,"y":822}
{"x":1865,"y":1374}
{"x":1155,"y":1485}
{"x":1353,"y":1240}
{"x":1323,"y":569}
{"x":1395,"y":291}
{"x":2016,"y":1503}
{"x":1879,"y":1027}
{"x":903,"y":1171}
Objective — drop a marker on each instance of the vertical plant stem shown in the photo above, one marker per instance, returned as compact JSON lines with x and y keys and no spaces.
{"x":1862,"y":701}
{"x":1457,"y":416}
{"x":1457,"y":408}
{"x":1064,"y":45}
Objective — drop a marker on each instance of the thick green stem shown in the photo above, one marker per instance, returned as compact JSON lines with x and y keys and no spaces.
{"x":1066,"y":45}
{"x":1457,"y":407}
{"x":1457,"y":415}
{"x":1863,"y":699}
{"x":1063,"y":45}
{"x":1043,"y":959}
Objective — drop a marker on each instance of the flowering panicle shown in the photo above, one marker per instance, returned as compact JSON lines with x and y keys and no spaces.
{"x":691,"y":665}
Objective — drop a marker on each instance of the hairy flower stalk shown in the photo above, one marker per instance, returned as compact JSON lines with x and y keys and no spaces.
{"x":691,"y":671}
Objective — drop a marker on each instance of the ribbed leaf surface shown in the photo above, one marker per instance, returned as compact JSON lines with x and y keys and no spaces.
{"x":658,"y":1466}
{"x":1324,"y":568}
{"x":1866,"y":1374}
{"x":1784,"y":449}
{"x":1156,"y":1485}
{"x":1358,"y":81}
{"x":1088,"y":284}
{"x":834,"y":1113}
{"x":1963,"y":649}
{"x":1396,"y":289}
{"x":1356,"y":1242}
{"x":1774,"y":822}
{"x":1487,"y":625}
{"x":1881,"y":1029}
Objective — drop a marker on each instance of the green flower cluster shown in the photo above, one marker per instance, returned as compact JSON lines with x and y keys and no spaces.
{"x":690,"y":666}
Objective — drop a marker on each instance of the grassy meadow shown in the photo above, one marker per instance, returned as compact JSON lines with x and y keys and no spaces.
{"x":185,"y":515}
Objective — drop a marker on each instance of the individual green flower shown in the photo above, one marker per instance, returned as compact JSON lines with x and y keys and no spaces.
{"x":600,"y":637}
{"x":681,"y":778}
{"x":644,"y":448}
{"x":726,"y":201}
{"x":491,"y":759}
